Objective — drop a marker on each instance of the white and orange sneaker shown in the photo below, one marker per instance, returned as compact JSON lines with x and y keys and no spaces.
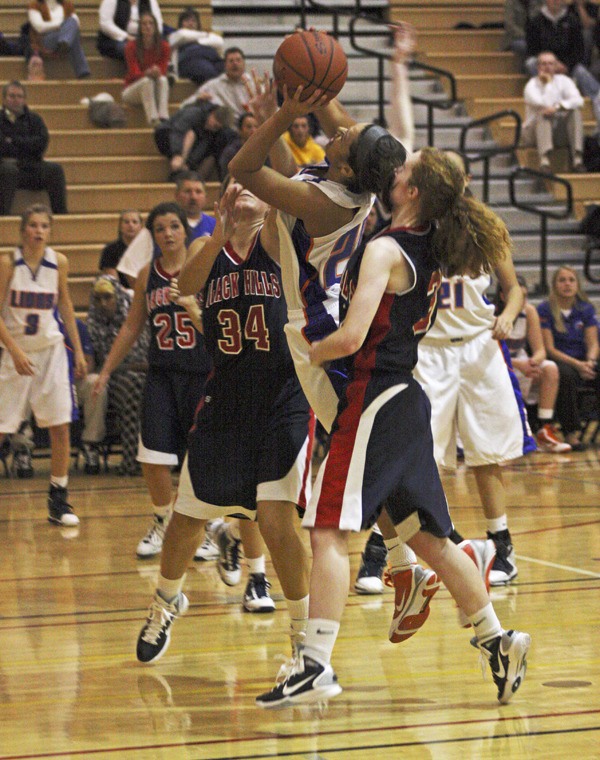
{"x":548,"y":441}
{"x":415,"y":587}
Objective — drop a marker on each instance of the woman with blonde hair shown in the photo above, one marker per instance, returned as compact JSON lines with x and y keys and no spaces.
{"x":570,"y":332}
{"x":381,"y":449}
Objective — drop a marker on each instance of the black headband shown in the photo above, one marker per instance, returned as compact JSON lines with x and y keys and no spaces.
{"x":367,"y":140}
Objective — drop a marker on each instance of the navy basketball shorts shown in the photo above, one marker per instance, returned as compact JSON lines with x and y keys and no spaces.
{"x":247,"y":448}
{"x":168,"y":406}
{"x":381,"y":451}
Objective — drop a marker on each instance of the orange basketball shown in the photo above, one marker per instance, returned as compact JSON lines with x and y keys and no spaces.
{"x":311,"y":59}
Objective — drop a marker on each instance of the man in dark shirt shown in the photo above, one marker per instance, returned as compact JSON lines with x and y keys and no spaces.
{"x":23,"y":141}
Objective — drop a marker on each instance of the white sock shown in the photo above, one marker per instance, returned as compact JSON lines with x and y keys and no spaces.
{"x":400,"y":555}
{"x":320,"y":638}
{"x":496,"y":524}
{"x":161,"y":512}
{"x":298,"y":612}
{"x":168,"y":589}
{"x":256,"y":565}
{"x":59,"y":482}
{"x":545,"y":415}
{"x":375,"y":529}
{"x":485,"y":623}
{"x":234,"y":529}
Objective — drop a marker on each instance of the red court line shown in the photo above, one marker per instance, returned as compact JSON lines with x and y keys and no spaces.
{"x":334,"y":732}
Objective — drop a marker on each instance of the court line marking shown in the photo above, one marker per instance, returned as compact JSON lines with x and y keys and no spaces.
{"x":555,"y":565}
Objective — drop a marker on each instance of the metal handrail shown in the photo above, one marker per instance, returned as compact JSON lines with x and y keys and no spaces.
{"x":593,"y":244}
{"x":486,"y":154}
{"x":543,"y":213}
{"x":383,"y":56}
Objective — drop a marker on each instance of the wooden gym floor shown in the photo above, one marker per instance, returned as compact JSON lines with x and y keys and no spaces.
{"x":71,"y":607}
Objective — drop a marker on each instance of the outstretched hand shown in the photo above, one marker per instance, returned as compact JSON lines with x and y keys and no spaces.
{"x":262,"y":96}
{"x":405,"y":41}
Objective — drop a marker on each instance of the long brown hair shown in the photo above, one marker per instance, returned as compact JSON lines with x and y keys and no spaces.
{"x":559,"y":322}
{"x":469,"y":237}
{"x":139,"y":41}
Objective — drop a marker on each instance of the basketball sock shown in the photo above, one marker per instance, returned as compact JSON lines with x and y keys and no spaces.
{"x":545,"y":415}
{"x":485,"y":623}
{"x":298,"y":612}
{"x":375,"y":529}
{"x":400,"y":555}
{"x":234,"y":530}
{"x":256,"y":565}
{"x":168,"y":589}
{"x":496,"y":524}
{"x":320,"y":638}
{"x":161,"y":512}
{"x":59,"y":482}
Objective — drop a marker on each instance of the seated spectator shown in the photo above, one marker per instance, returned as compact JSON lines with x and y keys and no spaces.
{"x":230,"y":88}
{"x":194,"y":139}
{"x":119,"y":24}
{"x":146,"y":82}
{"x":553,"y":114}
{"x":516,"y":15}
{"x":190,"y":194}
{"x":109,"y":306}
{"x":196,"y":55}
{"x":537,"y":375}
{"x":23,"y":141}
{"x":570,"y":332}
{"x":557,"y":29}
{"x":54,"y":30}
{"x":246,"y":126}
{"x":130,"y":223}
{"x":304,"y":149}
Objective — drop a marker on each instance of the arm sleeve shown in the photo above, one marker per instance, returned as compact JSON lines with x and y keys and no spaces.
{"x":137,"y":254}
{"x":36,"y":20}
{"x":106,"y":15}
{"x":32,"y":144}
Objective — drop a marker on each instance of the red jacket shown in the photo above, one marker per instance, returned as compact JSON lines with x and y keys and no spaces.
{"x":135,"y":71}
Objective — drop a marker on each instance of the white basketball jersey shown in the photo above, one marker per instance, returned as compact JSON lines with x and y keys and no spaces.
{"x":463,"y":311}
{"x":312,"y":267}
{"x":29,"y":307}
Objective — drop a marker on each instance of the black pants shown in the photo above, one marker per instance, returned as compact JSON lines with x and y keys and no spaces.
{"x":41,"y":175}
{"x":568,"y":399}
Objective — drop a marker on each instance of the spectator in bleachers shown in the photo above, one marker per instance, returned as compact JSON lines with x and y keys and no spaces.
{"x":54,"y":30}
{"x":119,"y":24}
{"x":516,"y":15}
{"x":194,"y":139}
{"x":196,"y":55}
{"x":23,"y":141}
{"x":230,"y":88}
{"x":147,"y":58}
{"x":557,"y":29}
{"x":537,"y":375}
{"x":130,"y":224}
{"x":302,"y":145}
{"x":570,"y":332}
{"x":553,"y":113}
{"x":190,"y":194}
{"x":109,"y":306}
{"x":246,"y":126}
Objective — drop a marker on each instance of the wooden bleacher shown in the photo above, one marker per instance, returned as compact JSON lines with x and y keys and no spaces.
{"x":106,"y":170}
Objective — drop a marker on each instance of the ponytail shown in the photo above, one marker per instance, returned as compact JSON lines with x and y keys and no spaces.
{"x":469,"y":237}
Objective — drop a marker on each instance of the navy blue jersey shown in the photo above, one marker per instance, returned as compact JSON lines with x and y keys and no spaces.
{"x":244,"y":312}
{"x":401,"y":319}
{"x":175,"y":343}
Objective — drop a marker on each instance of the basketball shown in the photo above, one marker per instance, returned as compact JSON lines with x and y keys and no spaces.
{"x":311,"y":59}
